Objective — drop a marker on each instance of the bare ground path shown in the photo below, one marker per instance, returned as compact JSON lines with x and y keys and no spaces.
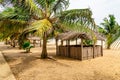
{"x":31,"y":67}
{"x":5,"y":71}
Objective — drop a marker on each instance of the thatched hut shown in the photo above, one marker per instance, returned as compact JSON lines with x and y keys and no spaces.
{"x":80,"y":51}
{"x":35,"y":40}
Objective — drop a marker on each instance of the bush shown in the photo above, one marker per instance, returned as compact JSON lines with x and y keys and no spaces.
{"x":88,"y":42}
{"x":26,"y":46}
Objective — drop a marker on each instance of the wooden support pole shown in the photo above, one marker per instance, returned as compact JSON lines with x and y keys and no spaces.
{"x":101,"y":48}
{"x":93,"y":48}
{"x":34,"y":41}
{"x":66,"y":42}
{"x":68,"y":48}
{"x":57,"y":49}
{"x":40,"y":43}
{"x":81,"y":54}
{"x":61,"y":43}
{"x":6,"y":41}
{"x":76,"y":41}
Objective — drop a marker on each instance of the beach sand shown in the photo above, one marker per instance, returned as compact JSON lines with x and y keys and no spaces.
{"x":29,"y":66}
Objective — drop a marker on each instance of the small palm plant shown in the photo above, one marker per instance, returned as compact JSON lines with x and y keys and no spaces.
{"x":26,"y":46}
{"x":111,"y":29}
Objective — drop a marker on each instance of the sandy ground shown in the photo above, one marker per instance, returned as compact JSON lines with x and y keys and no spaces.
{"x":31,"y":67}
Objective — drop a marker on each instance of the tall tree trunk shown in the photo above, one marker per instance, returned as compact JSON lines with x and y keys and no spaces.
{"x":6,"y":41}
{"x":44,"y":47}
{"x":108,"y":46}
{"x":109,"y":41}
{"x":14,"y":43}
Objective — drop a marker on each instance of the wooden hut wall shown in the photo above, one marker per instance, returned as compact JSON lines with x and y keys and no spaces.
{"x":87,"y":53}
{"x":97,"y":51}
{"x":78,"y":51}
{"x":63,"y":51}
{"x":75,"y":52}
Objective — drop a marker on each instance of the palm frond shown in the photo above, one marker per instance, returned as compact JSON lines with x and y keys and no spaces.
{"x":39,"y":27}
{"x":9,"y":27}
{"x":15,"y":13}
{"x":111,"y":29}
{"x":77,"y":18}
{"x":32,"y":5}
{"x":59,"y":5}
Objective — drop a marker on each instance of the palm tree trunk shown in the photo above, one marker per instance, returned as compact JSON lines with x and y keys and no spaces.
{"x":44,"y":47}
{"x":109,"y":41}
{"x":108,"y":46}
{"x":6,"y":41}
{"x":14,"y":43}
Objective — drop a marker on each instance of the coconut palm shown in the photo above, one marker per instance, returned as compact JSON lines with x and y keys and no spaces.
{"x":110,"y":29}
{"x":48,"y":15}
{"x":12,"y":22}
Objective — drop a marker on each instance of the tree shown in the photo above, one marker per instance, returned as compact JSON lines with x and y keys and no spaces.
{"x":110,"y":29}
{"x":48,"y":15}
{"x":12,"y":22}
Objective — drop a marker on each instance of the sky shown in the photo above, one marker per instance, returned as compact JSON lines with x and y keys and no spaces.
{"x":100,"y":8}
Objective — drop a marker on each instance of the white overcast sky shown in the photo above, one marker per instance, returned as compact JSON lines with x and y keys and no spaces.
{"x":100,"y":8}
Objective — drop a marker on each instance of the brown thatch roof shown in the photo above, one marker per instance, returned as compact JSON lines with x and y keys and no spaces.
{"x":99,"y":36}
{"x":74,"y":35}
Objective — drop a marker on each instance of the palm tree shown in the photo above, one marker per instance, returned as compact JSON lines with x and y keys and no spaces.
{"x":110,"y":29}
{"x":48,"y":15}
{"x":12,"y":22}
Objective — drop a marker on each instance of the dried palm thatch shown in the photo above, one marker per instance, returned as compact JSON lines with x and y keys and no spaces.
{"x":74,"y":35}
{"x":99,"y":36}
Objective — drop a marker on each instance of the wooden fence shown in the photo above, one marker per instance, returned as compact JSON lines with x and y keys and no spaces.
{"x":75,"y":52}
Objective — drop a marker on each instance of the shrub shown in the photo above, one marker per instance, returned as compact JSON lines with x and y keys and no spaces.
{"x":26,"y":46}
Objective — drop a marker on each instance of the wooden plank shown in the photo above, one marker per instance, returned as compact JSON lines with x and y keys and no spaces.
{"x":81,"y":48}
{"x":101,"y":48}
{"x":57,"y":50}
{"x":93,"y":48}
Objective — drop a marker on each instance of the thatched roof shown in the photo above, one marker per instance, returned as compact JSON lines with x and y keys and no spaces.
{"x":99,"y":36}
{"x":74,"y":35}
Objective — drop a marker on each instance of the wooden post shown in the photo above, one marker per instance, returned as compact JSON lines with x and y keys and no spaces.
{"x":66,"y":43}
{"x":57,"y":51}
{"x":93,"y":48}
{"x":34,"y":41}
{"x":101,"y":48}
{"x":76,"y":41}
{"x":68,"y":48}
{"x":6,"y":41}
{"x":40,"y":43}
{"x":61,"y":43}
{"x":81,"y":54}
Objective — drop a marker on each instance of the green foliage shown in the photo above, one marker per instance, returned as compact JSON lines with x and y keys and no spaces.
{"x":42,"y":16}
{"x":88,"y":42}
{"x":27,"y":46}
{"x":1,"y":1}
{"x":110,"y":29}
{"x":15,"y":13}
{"x":13,"y":21}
